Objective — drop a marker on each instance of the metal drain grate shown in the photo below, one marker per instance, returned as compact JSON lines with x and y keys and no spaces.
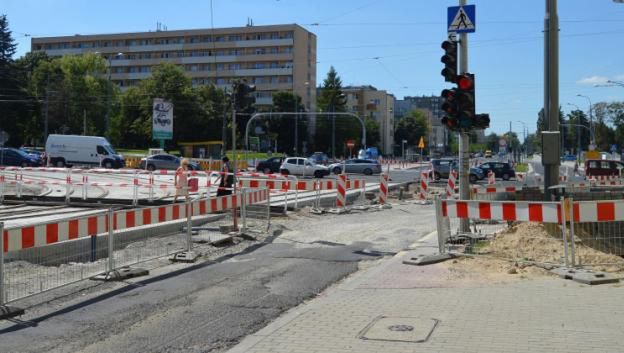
{"x":399,"y":329}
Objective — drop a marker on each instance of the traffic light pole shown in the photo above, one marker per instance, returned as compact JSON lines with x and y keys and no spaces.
{"x":464,"y":185}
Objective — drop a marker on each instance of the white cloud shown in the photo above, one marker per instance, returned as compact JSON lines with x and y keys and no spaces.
{"x":618,"y":78}
{"x":593,"y":80}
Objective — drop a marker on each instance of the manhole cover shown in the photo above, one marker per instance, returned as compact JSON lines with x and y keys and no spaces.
{"x":404,"y":329}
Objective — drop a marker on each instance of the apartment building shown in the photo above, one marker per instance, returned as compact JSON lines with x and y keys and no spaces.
{"x":274,"y":58}
{"x":368,"y":101}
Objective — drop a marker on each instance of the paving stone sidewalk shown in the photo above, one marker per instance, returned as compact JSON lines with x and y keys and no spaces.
{"x":394,"y":307}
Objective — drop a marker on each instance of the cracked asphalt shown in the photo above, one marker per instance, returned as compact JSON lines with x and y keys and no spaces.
{"x":209,"y":307}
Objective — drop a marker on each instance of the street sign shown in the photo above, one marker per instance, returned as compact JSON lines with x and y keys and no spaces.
{"x":614,"y":148}
{"x":350,"y":143}
{"x":421,"y":143}
{"x":502,"y":142}
{"x":461,"y":19}
{"x":162,"y":120}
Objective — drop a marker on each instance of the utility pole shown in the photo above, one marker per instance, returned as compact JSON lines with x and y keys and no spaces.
{"x":550,"y":150}
{"x":84,"y":122}
{"x":464,"y":184}
{"x":47,"y":103}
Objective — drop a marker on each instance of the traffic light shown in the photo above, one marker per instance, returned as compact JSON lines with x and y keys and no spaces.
{"x":450,"y":61}
{"x":482,"y":121}
{"x":466,"y":101}
{"x":449,"y":106}
{"x":243,"y":96}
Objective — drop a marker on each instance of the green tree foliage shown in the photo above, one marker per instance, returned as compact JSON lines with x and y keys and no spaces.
{"x":412,"y":127}
{"x":282,"y":127}
{"x":373,"y":133}
{"x":491,"y":141}
{"x":332,"y":99}
{"x":577,"y":117}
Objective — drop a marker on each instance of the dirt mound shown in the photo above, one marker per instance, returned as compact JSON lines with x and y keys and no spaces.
{"x":522,"y":249}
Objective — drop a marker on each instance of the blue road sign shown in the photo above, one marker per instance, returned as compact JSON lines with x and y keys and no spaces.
{"x":462,"y":19}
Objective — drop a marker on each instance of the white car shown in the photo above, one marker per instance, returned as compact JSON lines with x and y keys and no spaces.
{"x":303,"y":167}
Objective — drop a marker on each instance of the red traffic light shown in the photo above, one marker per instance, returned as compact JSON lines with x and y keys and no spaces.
{"x":465,"y":82}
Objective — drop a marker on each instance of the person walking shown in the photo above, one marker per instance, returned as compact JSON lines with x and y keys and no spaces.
{"x":227,"y":178}
{"x":181,"y":180}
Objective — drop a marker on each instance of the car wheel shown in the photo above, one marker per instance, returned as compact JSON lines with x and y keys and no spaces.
{"x":505,"y":176}
{"x":285,"y":172}
{"x":267,"y":170}
{"x":151,"y":167}
{"x":24,"y":164}
{"x":318,"y":174}
{"x":473,"y":178}
{"x":436,"y":176}
{"x":368,"y":171}
{"x":108,"y":165}
{"x":337,"y":170}
{"x":60,"y":163}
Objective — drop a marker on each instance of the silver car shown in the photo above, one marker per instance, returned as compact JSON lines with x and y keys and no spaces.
{"x":357,"y":166}
{"x":164,"y":161}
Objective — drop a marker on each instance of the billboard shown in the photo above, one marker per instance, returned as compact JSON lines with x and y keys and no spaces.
{"x":162,"y":120}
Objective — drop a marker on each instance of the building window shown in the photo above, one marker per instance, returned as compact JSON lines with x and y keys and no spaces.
{"x":220,"y":67}
{"x":234,"y":38}
{"x":235,"y":66}
{"x":260,"y":51}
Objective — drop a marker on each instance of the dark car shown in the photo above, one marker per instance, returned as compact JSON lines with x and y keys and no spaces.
{"x":501,"y":170}
{"x":441,"y":168}
{"x":270,"y":165}
{"x":164,"y":161}
{"x":18,"y":158}
{"x":603,"y":167}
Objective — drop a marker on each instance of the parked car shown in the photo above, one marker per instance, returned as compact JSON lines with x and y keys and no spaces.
{"x":501,"y":170}
{"x":304,"y":167}
{"x":320,"y":158}
{"x":270,"y":165}
{"x":601,"y":167}
{"x":33,"y":152}
{"x":441,"y":168}
{"x":164,"y":161}
{"x":68,"y":150}
{"x":363,"y":166}
{"x":18,"y":158}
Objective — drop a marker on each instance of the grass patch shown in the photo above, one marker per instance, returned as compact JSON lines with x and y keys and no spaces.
{"x":522,"y":167}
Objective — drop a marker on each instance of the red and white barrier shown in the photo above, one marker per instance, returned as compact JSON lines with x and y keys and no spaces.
{"x":424,"y":185}
{"x":69,"y":229}
{"x":451,"y":184}
{"x":495,"y":189}
{"x":341,"y":191}
{"x":545,"y":212}
{"x":383,"y":188}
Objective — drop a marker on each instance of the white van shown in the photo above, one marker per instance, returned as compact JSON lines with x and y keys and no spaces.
{"x":68,"y":150}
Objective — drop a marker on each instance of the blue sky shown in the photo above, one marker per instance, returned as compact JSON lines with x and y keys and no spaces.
{"x":393,"y":45}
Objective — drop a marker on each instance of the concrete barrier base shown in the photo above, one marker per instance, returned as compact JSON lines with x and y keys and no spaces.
{"x":185,"y":256}
{"x":7,"y":312}
{"x":121,"y":274}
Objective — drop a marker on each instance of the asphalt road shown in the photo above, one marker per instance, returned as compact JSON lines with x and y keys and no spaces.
{"x":209,"y":307}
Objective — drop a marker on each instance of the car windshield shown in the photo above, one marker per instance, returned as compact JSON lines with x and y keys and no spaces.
{"x":110,"y":149}
{"x":23,"y":153}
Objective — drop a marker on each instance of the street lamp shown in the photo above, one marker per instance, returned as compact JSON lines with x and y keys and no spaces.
{"x":524,"y":133}
{"x":591,"y":119}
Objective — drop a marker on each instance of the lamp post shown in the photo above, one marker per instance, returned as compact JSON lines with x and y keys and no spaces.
{"x":578,"y":133}
{"x":591,"y":120}
{"x":403,"y":148}
{"x":524,"y":134}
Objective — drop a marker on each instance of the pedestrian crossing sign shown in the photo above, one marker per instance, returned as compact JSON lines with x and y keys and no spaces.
{"x":461,"y":19}
{"x":421,"y":143}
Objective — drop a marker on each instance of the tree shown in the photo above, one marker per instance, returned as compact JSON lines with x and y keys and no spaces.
{"x":491,"y":141}
{"x":283,"y":127}
{"x":332,"y":99}
{"x":16,"y":105}
{"x":373,"y":133}
{"x":412,"y":127}
{"x":577,"y":117}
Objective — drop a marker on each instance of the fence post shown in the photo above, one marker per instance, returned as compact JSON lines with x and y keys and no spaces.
{"x":18,"y":183}
{"x":572,"y":249}
{"x":296,"y":192}
{"x":243,"y":207}
{"x":151,"y":186}
{"x":268,"y":191}
{"x":85,"y":180}
{"x":564,"y":230}
{"x":68,"y":185}
{"x":189,"y":226}
{"x":111,"y":241}
{"x":2,"y":186}
{"x":440,"y":226}
{"x":2,"y":293}
{"x":286,"y":202}
{"x":135,"y":189}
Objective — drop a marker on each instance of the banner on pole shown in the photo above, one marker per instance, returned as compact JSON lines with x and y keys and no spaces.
{"x":162,"y":120}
